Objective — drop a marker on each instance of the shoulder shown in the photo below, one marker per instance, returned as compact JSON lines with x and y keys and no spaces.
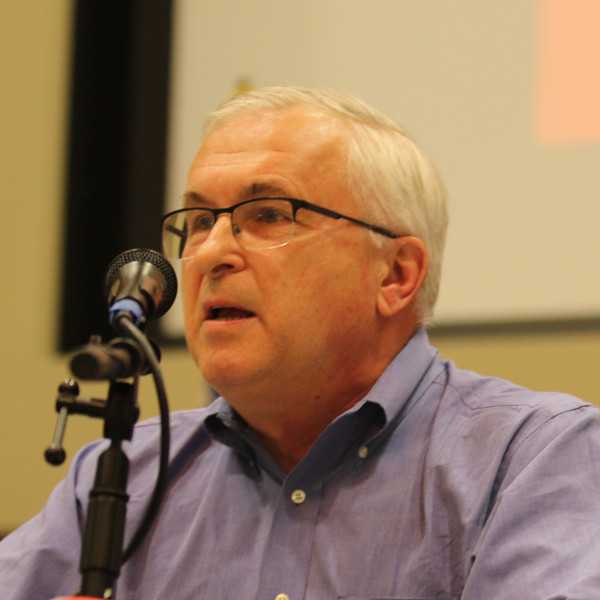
{"x":182,"y":423}
{"x":475,"y":392}
{"x":496,"y":411}
{"x":188,"y":436}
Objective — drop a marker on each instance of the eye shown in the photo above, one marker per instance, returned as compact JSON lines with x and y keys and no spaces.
{"x":271,"y":215}
{"x":200,"y":221}
{"x":269,"y":212}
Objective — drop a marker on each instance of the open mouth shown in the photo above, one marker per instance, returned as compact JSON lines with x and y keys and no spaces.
{"x":228,"y":313}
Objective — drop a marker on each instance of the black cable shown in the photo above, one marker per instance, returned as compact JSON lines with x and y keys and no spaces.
{"x":128,"y":328}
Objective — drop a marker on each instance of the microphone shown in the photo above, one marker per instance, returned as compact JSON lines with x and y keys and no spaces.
{"x":139,"y":284}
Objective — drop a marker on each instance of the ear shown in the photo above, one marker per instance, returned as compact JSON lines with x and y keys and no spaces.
{"x":406,"y":270}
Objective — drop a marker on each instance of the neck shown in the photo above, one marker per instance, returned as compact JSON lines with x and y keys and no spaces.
{"x":290,"y":416}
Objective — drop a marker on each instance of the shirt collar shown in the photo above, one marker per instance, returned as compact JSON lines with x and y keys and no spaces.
{"x":406,"y":377}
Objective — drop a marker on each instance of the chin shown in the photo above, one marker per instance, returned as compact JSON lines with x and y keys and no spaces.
{"x":226,"y":373}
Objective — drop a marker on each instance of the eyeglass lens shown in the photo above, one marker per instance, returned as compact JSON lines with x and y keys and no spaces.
{"x":257,"y":224}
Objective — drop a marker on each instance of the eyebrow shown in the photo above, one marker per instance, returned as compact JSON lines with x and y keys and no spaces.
{"x":265,"y":189}
{"x":192,"y":198}
{"x":254,"y":190}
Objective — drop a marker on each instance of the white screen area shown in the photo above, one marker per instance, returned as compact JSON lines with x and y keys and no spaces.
{"x":463,"y":77}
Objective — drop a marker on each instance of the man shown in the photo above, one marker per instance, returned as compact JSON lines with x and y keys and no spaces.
{"x":344,"y":458}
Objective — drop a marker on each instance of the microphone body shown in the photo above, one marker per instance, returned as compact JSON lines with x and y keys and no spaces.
{"x":139,"y":284}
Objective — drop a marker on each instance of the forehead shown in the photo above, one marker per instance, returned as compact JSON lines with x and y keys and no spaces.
{"x":300,"y":127}
{"x":293,"y":147}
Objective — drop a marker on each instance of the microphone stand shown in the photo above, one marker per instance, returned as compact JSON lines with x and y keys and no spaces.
{"x":102,"y":547}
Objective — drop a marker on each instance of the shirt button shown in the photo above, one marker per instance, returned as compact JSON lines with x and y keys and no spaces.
{"x":282,"y":597}
{"x":298,"y":497}
{"x":363,"y":451}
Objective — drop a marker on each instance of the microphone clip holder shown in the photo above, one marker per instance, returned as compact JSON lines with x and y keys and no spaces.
{"x":120,"y":358}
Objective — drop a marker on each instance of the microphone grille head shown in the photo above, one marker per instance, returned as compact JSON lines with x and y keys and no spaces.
{"x":144,"y":255}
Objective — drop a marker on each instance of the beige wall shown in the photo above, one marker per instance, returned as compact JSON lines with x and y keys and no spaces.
{"x":34,"y":71}
{"x":34,"y":59}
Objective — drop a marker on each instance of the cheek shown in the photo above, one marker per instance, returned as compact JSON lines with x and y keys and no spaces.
{"x":190,"y":286}
{"x":336,"y":299}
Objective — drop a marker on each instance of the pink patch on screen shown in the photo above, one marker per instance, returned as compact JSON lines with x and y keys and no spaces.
{"x":568,"y":95}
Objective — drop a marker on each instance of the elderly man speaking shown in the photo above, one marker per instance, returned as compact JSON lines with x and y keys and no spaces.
{"x":343,"y":459}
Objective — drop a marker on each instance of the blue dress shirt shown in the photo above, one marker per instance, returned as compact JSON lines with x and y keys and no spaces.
{"x":439,"y":484}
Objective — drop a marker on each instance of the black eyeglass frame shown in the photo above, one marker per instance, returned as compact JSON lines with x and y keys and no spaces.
{"x":296,"y":203}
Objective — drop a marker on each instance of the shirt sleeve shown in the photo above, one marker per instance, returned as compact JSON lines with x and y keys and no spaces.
{"x":542,"y":536}
{"x":40,"y":560}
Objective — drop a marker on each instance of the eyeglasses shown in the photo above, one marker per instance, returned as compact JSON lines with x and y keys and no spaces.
{"x":257,"y":224}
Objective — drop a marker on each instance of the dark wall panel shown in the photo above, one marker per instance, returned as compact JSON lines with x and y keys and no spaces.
{"x":116,"y":153}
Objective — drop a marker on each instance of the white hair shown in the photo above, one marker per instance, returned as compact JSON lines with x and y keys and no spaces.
{"x":389,"y":176}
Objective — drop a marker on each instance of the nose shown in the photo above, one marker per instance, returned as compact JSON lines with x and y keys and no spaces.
{"x":220,"y":252}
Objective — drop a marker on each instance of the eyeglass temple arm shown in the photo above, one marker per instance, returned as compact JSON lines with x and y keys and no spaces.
{"x":175,"y":231}
{"x":336,"y":215}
